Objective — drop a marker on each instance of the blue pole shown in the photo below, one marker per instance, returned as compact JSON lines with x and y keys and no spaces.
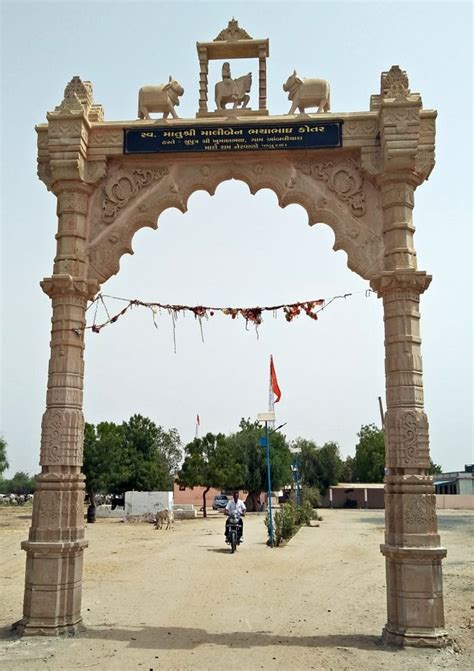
{"x":270,"y":518}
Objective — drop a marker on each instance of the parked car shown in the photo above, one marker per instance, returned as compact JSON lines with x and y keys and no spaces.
{"x":220,"y":501}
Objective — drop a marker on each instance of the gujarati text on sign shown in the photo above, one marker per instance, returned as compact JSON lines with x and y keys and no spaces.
{"x":255,"y":137}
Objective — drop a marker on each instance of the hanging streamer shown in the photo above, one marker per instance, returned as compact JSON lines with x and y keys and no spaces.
{"x":252,"y":315}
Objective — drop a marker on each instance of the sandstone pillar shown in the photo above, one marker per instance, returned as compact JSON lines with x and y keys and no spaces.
{"x":412,"y":545}
{"x":54,"y":549}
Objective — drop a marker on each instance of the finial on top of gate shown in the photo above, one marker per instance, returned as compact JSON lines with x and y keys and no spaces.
{"x":232,"y":32}
{"x":233,"y":42}
{"x":394,"y":84}
{"x":78,"y":97}
{"x":394,"y":89}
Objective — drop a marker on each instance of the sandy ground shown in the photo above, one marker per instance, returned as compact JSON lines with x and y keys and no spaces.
{"x":179,"y":600}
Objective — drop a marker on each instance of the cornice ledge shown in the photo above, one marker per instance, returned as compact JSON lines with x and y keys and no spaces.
{"x":60,"y":285}
{"x":390,"y":280}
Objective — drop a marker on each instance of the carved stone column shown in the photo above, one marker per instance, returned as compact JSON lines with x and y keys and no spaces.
{"x":412,"y":544}
{"x":405,"y":158}
{"x":55,"y":545}
{"x":53,"y":582}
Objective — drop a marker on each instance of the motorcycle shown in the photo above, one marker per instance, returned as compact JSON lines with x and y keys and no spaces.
{"x":234,"y":531}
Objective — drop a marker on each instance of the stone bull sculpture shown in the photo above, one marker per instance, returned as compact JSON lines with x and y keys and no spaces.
{"x":307,"y":93}
{"x":162,"y":98}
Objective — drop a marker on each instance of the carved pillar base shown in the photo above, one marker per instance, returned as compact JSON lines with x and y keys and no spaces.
{"x":414,"y":597}
{"x":53,"y":584}
{"x":54,"y":557}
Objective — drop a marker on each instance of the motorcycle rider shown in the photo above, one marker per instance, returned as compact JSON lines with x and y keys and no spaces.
{"x":238,"y":506}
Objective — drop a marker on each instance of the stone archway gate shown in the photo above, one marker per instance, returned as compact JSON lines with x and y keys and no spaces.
{"x":363,"y":189}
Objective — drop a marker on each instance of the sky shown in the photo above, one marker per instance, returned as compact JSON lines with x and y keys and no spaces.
{"x":235,"y":249}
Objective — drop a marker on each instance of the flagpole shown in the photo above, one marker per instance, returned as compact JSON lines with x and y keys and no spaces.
{"x":271,"y":402}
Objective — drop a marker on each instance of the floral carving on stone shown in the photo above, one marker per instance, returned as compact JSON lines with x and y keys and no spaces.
{"x":395,"y":84}
{"x":49,"y":507}
{"x":408,"y":438}
{"x":62,"y":437}
{"x":344,"y":179}
{"x":124,"y":186}
{"x":419,"y":512}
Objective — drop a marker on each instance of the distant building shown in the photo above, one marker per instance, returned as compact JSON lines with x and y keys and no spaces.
{"x":355,"y":495}
{"x":457,"y":482}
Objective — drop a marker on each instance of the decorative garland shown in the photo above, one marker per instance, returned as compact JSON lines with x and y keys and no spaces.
{"x":251,"y":315}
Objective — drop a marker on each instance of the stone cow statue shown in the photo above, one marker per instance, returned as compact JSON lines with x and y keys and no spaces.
{"x":162,"y":98}
{"x":164,"y":517}
{"x":307,"y":93}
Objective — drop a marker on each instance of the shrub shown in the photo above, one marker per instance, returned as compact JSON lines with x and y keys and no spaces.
{"x":288,"y":520}
{"x":312,"y":495}
{"x":304,"y":514}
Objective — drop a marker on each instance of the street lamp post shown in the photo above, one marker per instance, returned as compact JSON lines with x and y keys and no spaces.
{"x":296,"y":474}
{"x":268,"y":417}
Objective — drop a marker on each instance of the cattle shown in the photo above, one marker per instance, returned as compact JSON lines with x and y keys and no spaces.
{"x":162,"y":98}
{"x":307,"y":93}
{"x":164,"y":517}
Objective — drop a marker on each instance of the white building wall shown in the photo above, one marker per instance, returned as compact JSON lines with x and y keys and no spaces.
{"x":141,"y":503}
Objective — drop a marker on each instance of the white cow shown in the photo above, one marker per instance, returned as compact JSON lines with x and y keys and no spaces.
{"x":307,"y":93}
{"x":161,"y":98}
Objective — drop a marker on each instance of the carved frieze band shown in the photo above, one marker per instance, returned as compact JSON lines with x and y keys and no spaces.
{"x":62,"y":434}
{"x":122,"y":187}
{"x":360,"y":128}
{"x":343,"y":179}
{"x":106,"y":138}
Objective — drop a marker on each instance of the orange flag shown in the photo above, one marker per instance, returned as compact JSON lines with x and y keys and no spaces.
{"x":274,"y":381}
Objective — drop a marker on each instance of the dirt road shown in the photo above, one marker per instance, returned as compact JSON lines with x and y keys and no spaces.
{"x":179,"y":600}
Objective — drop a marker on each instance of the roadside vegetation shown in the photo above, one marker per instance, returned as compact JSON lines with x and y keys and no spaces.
{"x":141,"y":455}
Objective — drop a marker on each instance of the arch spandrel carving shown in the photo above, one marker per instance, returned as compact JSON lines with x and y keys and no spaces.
{"x":333,"y":191}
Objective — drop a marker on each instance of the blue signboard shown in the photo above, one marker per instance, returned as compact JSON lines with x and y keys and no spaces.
{"x":308,"y":134}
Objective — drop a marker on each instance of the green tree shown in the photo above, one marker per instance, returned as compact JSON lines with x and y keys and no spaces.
{"x":347,"y":470}
{"x":209,"y":463}
{"x":435,"y":469}
{"x":151,"y":455}
{"x":3,"y":456}
{"x":369,"y":460}
{"x":137,"y":454}
{"x":320,"y":467}
{"x":246,"y":449}
{"x":103,"y":458}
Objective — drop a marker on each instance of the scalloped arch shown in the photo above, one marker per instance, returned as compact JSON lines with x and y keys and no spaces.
{"x":333,"y":192}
